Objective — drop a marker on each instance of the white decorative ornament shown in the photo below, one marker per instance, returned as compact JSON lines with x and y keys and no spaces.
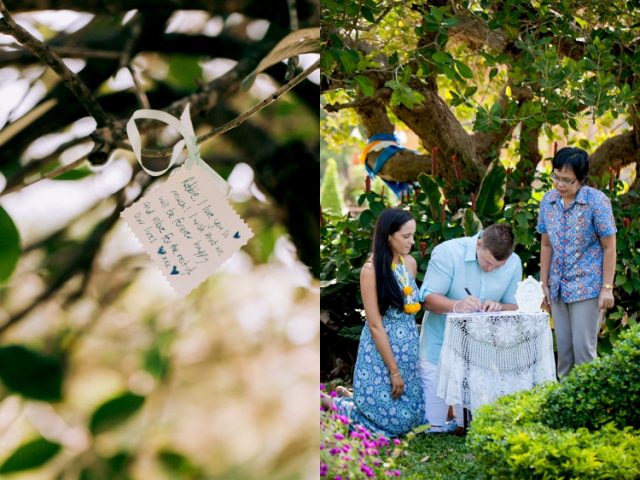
{"x":529,"y":295}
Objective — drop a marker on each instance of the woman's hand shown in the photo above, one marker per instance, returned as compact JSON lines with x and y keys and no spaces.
{"x":605,"y":300}
{"x":397,"y":385}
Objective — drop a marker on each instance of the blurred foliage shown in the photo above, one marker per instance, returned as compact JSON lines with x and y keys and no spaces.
{"x":330,"y":196}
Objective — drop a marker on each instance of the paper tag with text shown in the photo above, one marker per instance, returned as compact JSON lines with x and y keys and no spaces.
{"x":187,"y":227}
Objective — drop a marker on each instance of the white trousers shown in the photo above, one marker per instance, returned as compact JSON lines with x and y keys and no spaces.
{"x":436,"y":409}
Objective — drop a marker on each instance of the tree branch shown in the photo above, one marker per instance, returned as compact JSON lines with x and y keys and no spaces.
{"x":616,"y":151}
{"x":50,"y":58}
{"x":264,"y":103}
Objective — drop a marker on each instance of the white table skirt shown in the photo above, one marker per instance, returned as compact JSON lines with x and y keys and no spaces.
{"x":487,"y":355}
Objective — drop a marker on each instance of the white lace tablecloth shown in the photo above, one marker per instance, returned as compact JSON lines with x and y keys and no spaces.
{"x":487,"y":355}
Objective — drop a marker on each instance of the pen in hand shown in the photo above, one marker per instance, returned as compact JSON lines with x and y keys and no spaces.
{"x":471,"y":295}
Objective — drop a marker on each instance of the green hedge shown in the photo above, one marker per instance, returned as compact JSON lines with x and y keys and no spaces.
{"x":600,"y":392}
{"x":512,"y":438}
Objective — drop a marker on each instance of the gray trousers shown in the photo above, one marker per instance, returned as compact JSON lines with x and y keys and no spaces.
{"x":576,"y":327}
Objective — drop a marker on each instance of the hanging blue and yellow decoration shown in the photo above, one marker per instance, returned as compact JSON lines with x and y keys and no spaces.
{"x":387,"y":145}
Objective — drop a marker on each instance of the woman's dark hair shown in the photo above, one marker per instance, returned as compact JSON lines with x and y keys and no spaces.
{"x":574,"y":158}
{"x":389,"y":222}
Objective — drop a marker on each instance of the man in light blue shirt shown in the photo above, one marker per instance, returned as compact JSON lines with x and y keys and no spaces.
{"x":469,"y":274}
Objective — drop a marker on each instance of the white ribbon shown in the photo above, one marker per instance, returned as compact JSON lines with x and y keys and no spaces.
{"x":185,"y":128}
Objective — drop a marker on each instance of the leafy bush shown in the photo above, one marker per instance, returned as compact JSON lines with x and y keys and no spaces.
{"x":516,"y":438}
{"x":606,"y":390}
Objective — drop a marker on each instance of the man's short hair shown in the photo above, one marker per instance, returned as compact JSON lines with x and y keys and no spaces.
{"x":499,"y":240}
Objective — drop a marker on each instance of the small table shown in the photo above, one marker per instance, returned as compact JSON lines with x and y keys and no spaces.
{"x":487,"y":355}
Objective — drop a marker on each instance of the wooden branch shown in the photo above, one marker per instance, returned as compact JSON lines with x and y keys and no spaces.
{"x":436,"y":125}
{"x":110,"y":140}
{"x":358,"y":102}
{"x":264,"y":103}
{"x":51,"y":59}
{"x":488,"y":144}
{"x":404,"y":165}
{"x":275,"y":12}
{"x":616,"y":151}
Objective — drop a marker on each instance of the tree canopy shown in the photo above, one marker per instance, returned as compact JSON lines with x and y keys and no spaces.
{"x":485,"y":80}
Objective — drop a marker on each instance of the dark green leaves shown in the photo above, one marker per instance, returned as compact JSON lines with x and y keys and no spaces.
{"x":30,"y":455}
{"x":31,"y":373}
{"x":433,"y":192}
{"x":492,"y":189}
{"x":75,"y":174}
{"x":365,"y":85}
{"x":9,"y":246}
{"x":114,"y":412}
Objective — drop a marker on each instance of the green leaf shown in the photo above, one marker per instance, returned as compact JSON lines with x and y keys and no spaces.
{"x":492,"y":190}
{"x":183,"y":71}
{"x":366,"y":218}
{"x":365,"y":85}
{"x":177,"y":464}
{"x":30,"y":455}
{"x":114,"y":412}
{"x":463,"y":69}
{"x":75,"y":174}
{"x":441,"y":57}
{"x":9,"y":246}
{"x":305,"y":40}
{"x":432,"y":191}
{"x":348,"y":61}
{"x":470,"y":223}
{"x":31,"y":373}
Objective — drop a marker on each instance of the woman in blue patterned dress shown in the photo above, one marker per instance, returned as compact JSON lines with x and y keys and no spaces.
{"x":387,"y":397}
{"x":577,"y":257}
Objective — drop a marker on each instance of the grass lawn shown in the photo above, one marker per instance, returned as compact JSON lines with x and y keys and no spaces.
{"x":436,"y":457}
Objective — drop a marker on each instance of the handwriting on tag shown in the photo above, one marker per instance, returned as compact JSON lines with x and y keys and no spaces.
{"x":187,"y":227}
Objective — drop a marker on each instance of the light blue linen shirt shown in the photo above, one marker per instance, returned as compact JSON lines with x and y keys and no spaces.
{"x":452,"y":267}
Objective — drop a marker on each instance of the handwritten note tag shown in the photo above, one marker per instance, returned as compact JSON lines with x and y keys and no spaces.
{"x":187,"y":227}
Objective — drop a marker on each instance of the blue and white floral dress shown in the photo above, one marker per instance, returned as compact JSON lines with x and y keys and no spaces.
{"x":372,"y":405}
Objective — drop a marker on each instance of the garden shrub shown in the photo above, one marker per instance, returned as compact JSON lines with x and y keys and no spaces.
{"x":606,"y":390}
{"x":513,"y":438}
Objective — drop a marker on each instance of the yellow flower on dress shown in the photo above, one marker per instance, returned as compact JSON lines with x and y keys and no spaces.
{"x":407,"y":290}
{"x":412,"y":308}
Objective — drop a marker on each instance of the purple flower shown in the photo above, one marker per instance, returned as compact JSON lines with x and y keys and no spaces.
{"x":334,"y":451}
{"x":346,"y":447}
{"x":324,"y":468}
{"x":333,"y":394}
{"x":368,"y":471}
{"x":343,"y":419}
{"x":322,"y":386}
{"x":338,"y":436}
{"x":396,"y":473}
{"x":397,"y":441}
